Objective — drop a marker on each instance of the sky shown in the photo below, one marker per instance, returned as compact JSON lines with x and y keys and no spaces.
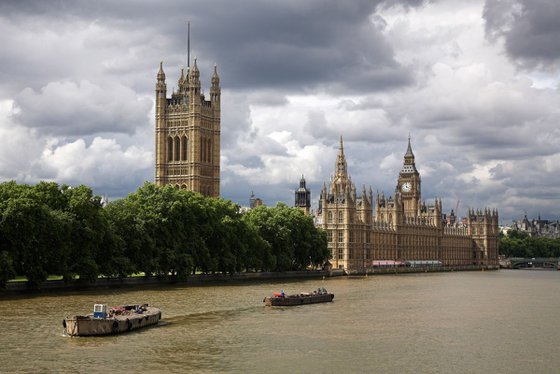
{"x":475,"y":84}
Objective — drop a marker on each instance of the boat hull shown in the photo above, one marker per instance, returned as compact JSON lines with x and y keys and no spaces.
{"x":293,"y":300}
{"x":89,"y":326}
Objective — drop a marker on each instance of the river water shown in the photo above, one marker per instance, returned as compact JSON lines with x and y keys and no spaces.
{"x":464,"y":322}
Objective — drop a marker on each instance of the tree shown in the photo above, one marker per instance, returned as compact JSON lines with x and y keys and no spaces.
{"x":25,"y":227}
{"x":7,"y":271}
{"x":294,"y":240}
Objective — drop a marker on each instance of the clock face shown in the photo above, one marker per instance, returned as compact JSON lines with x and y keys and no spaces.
{"x":406,"y":187}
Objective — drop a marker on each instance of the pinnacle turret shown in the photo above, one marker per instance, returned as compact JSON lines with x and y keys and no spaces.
{"x":161,"y":74}
{"x":215,"y":78}
{"x":194,"y":73}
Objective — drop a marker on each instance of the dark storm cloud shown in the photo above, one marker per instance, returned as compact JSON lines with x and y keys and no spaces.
{"x":288,"y":44}
{"x":530,"y":28}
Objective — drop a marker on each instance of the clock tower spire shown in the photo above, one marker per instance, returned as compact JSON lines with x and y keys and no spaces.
{"x":409,"y":183}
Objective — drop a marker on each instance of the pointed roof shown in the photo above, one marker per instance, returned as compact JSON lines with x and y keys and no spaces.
{"x":215,"y":77}
{"x":160,"y":74}
{"x":409,"y":149}
{"x":409,"y":165}
{"x":340,"y":168}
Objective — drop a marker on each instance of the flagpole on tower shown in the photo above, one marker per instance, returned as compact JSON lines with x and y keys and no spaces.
{"x":188,"y":44}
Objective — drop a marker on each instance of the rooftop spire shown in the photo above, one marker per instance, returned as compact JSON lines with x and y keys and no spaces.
{"x":215,"y":78}
{"x":160,"y":74}
{"x":341,"y":161}
{"x":409,"y":165}
{"x":409,"y":149}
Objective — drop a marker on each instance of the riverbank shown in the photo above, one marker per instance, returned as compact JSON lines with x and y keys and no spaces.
{"x":15,"y":288}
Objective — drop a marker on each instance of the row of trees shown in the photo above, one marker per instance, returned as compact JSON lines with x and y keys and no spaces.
{"x":51,"y":229}
{"x":519,"y":244}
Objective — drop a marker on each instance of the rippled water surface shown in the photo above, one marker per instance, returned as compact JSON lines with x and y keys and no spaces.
{"x":469,"y":322}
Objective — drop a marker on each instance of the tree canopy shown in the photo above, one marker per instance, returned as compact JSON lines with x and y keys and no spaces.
{"x":159,"y":231}
{"x":520,"y":244}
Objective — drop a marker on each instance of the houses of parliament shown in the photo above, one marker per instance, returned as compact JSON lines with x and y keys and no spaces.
{"x":362,"y":230}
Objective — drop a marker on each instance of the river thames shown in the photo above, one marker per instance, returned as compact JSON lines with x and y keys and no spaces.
{"x":463,"y":322}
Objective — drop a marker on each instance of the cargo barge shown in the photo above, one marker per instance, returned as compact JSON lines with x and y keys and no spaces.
{"x":115,"y":320}
{"x":280,"y":299}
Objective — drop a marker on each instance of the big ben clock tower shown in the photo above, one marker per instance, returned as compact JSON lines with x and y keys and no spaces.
{"x":409,"y":184}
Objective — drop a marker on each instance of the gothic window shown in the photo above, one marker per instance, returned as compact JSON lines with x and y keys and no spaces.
{"x":203,"y":150}
{"x":340,"y":236}
{"x":185,"y":142}
{"x":329,"y":236}
{"x":169,"y":149}
{"x":340,"y":253}
{"x":330,"y":217}
{"x":209,"y":149}
{"x":176,"y":149}
{"x":340,"y":217}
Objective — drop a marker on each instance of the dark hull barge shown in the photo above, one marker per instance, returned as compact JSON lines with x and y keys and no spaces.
{"x":280,"y":299}
{"x":118,"y":320}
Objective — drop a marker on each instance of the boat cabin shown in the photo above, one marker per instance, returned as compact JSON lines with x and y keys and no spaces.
{"x":100,"y":311}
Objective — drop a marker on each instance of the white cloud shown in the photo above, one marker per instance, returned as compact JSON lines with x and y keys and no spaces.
{"x":103,"y":164}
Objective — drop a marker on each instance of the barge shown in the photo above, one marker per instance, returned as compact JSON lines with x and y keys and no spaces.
{"x":115,"y":320}
{"x":280,"y":299}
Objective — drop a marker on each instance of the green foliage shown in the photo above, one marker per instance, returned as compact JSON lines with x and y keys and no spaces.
{"x":159,"y":231}
{"x":520,"y":244}
{"x":7,"y":270}
{"x":294,"y":241}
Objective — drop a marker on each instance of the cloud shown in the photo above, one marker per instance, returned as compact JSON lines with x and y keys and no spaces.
{"x":475,"y":83}
{"x":19,"y":147}
{"x":530,"y":30}
{"x":72,"y":108}
{"x":103,"y":165}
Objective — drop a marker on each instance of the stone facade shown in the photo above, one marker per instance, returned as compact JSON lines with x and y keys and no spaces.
{"x":362,"y":230}
{"x":187,"y":149}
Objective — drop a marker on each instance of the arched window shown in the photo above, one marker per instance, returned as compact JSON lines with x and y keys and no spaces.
{"x":176,"y":149}
{"x":202,"y":150}
{"x":340,"y":217}
{"x":185,"y":142}
{"x":183,"y":186}
{"x":330,"y":217}
{"x":209,"y":150}
{"x":169,"y":149}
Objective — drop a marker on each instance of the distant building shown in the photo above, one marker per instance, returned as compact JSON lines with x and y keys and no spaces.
{"x":537,"y":227}
{"x":303,"y":197}
{"x":254,"y":201}
{"x":362,"y":231}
